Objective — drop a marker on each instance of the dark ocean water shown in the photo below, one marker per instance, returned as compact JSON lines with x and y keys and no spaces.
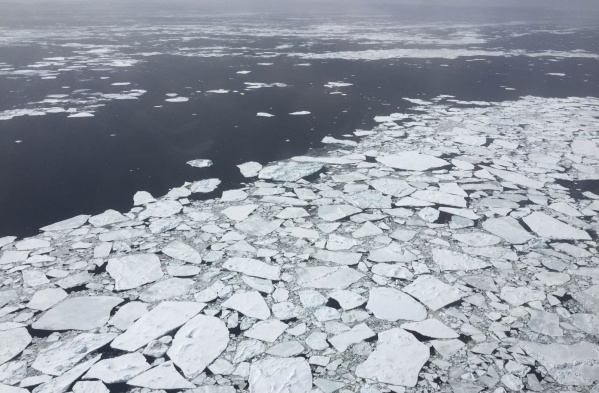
{"x":63,"y":166}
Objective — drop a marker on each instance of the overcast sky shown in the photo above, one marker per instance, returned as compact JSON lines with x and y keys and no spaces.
{"x":288,"y":6}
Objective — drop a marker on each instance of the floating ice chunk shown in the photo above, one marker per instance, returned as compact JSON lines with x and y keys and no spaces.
{"x":477,"y":239}
{"x":289,"y":171}
{"x":545,"y":323}
{"x":81,"y":114}
{"x":391,"y":253}
{"x":71,"y":223}
{"x":325,"y":277}
{"x":119,"y":369}
{"x":395,"y":187}
{"x":249,"y":303}
{"x":181,"y":251}
{"x":218,"y":91}
{"x":7,"y":240}
{"x":434,"y":293}
{"x":162,"y":319}
{"x":167,"y":289}
{"x":300,"y":113}
{"x":201,"y":163}
{"x":205,"y":186}
{"x":109,"y":217}
{"x":198,"y":343}
{"x":243,"y":72}
{"x":264,"y":114}
{"x":452,"y":260}
{"x":253,"y":267}
{"x":63,"y":383}
{"x":274,"y":375}
{"x":266,"y":330}
{"x":336,"y":212}
{"x":546,"y":226}
{"x":31,"y":244}
{"x":440,"y":198}
{"x":431,"y":328}
{"x":391,"y":118}
{"x":515,"y":178}
{"x":46,"y":298}
{"x":292,"y":212}
{"x":12,"y":343}
{"x":369,"y":199}
{"x":120,"y":84}
{"x":555,"y":74}
{"x":389,"y":304}
{"x":163,"y":376}
{"x":160,"y":209}
{"x":143,"y":198}
{"x":412,"y":161}
{"x":239,"y":213}
{"x":338,"y":257}
{"x":576,"y":364}
{"x":332,"y":85}
{"x":472,"y":140}
{"x":78,"y":313}
{"x":397,"y":360}
{"x":517,"y":296}
{"x":13,"y":256}
{"x":585,"y":147}
{"x":121,"y":234}
{"x":258,"y":85}
{"x":257,"y":226}
{"x":250,"y":169}
{"x":133,"y":271}
{"x":128,"y":314}
{"x":507,"y":228}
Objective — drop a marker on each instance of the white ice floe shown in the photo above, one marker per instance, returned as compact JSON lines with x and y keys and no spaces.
{"x":200,"y":163}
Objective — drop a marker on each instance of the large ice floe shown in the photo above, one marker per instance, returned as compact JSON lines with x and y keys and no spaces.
{"x":456,"y":251}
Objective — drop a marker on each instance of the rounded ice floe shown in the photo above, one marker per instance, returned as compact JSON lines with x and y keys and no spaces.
{"x":274,"y":375}
{"x":250,"y":169}
{"x":200,"y":163}
{"x":133,"y":271}
{"x":201,"y":340}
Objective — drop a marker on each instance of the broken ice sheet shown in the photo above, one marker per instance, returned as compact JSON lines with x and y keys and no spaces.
{"x":434,"y":293}
{"x":397,"y":359}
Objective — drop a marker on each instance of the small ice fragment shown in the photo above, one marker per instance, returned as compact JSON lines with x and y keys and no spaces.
{"x":177,"y":99}
{"x":81,"y":114}
{"x":218,"y":91}
{"x":264,"y":114}
{"x":300,"y":113}
{"x":332,"y":85}
{"x":201,"y":163}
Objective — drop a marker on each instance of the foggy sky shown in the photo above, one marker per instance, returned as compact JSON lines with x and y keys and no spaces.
{"x":134,"y":8}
